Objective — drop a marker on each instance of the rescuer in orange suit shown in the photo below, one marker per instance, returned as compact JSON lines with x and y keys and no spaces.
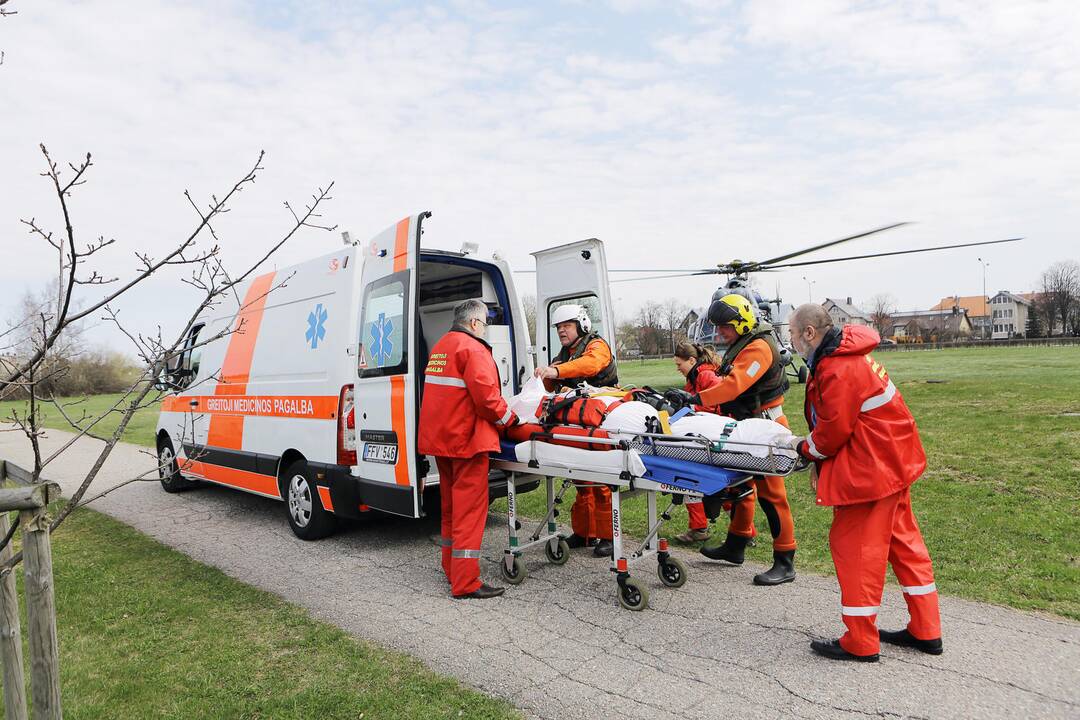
{"x":585,"y":357}
{"x":751,"y":384}
{"x":866,"y":453}
{"x":698,"y":364}
{"x":461,"y":408}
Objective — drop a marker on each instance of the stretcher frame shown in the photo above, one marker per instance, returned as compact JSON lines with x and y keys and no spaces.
{"x":623,"y":485}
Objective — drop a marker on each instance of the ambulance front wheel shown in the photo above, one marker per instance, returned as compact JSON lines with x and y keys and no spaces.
{"x":169,"y":470}
{"x":308,"y":519}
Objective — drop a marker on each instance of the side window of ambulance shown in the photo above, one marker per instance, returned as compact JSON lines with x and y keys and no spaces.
{"x":592,"y":306}
{"x":382,"y":330}
{"x":188,"y":366}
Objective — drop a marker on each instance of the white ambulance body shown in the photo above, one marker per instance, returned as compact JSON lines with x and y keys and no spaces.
{"x":312,"y":393}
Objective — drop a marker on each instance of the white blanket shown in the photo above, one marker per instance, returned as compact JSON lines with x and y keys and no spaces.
{"x":747,"y":436}
{"x":629,"y":417}
{"x":580,"y":459}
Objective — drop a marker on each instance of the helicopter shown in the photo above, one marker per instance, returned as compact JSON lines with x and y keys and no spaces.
{"x":738,"y":282}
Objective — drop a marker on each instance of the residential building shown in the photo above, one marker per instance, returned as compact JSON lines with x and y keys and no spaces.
{"x":1009,"y":314}
{"x":931,"y":325}
{"x":976,"y":307}
{"x":843,"y":312}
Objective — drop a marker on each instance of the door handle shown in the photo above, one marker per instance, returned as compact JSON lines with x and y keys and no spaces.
{"x":506,"y":374}
{"x":193,"y":403}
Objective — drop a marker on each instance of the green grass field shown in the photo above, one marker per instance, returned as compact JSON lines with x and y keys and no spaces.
{"x":1000,"y":502}
{"x":999,"y":505}
{"x":147,"y":632}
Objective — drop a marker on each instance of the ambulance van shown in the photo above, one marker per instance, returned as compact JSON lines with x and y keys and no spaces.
{"x":311,"y":394}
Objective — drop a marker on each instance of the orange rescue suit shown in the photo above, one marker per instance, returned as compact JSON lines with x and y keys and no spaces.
{"x":590,"y":516}
{"x":748,"y":367}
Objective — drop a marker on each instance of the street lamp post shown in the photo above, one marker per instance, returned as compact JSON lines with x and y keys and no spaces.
{"x":986,"y":315}
{"x":809,"y":294}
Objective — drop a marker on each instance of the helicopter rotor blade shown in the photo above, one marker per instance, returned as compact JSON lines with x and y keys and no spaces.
{"x":665,"y":277}
{"x":822,"y":246}
{"x":885,"y":254}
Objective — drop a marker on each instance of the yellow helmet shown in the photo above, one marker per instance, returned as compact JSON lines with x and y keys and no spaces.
{"x":734,"y":310}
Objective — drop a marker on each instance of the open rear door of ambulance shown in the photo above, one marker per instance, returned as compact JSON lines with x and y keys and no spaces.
{"x":385,"y":390}
{"x":573,"y":273}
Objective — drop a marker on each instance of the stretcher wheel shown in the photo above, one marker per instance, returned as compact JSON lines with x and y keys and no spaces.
{"x":633,"y":595}
{"x":672,"y":572}
{"x":560,"y":554}
{"x":516,"y":575}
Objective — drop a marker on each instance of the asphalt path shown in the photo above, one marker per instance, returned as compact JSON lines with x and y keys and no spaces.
{"x":559,"y":645}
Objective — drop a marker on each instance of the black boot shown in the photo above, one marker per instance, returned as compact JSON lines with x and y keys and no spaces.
{"x":832,"y":650}
{"x":732,"y":550}
{"x":782,"y":571}
{"x":906,"y":639}
{"x":576,"y":541}
{"x":604,"y":548}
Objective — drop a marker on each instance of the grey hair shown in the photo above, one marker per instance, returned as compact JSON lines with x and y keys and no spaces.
{"x":811,"y":315}
{"x":469,"y":310}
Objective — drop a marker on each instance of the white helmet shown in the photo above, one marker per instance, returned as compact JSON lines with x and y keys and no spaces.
{"x":566,"y":313}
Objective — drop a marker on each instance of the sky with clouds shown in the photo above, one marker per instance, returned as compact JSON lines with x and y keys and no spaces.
{"x":683,"y":134}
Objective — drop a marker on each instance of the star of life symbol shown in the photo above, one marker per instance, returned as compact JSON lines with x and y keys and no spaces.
{"x":383,"y":347}
{"x":316,"y":331}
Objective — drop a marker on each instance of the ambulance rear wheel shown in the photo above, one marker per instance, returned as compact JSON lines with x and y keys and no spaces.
{"x":169,"y":469}
{"x":308,"y":519}
{"x":633,"y":595}
{"x":516,"y":574}
{"x":560,"y":554}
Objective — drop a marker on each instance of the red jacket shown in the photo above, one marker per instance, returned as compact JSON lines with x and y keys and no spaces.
{"x":701,"y":377}
{"x":863,"y":437}
{"x":462,"y":402}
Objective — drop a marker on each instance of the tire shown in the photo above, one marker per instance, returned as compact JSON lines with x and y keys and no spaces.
{"x":633,"y":595}
{"x":560,"y":555}
{"x":169,"y":470}
{"x":672,"y":572}
{"x":517,"y":574}
{"x":307,"y":517}
{"x":804,"y":373}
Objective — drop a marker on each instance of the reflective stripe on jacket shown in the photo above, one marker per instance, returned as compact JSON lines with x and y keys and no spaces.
{"x":863,"y":437}
{"x":462,"y":402}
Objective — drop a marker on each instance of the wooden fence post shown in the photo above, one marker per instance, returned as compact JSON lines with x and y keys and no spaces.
{"x":41,"y":608}
{"x":10,"y":635}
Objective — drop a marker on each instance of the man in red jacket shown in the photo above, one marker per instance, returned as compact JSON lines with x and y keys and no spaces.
{"x":866,"y":453}
{"x":461,"y":408}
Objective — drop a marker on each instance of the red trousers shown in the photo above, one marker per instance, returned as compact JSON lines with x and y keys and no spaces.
{"x":463,"y":487}
{"x":771,"y":494}
{"x":863,"y":538}
{"x":590,"y":517}
{"x":698,"y":521}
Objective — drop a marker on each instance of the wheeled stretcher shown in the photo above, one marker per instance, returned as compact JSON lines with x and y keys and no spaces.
{"x":640,"y":464}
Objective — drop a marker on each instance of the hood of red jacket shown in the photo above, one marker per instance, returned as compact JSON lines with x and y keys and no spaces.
{"x":857,"y":340}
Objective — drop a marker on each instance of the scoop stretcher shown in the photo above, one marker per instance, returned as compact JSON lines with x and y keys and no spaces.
{"x":640,"y":464}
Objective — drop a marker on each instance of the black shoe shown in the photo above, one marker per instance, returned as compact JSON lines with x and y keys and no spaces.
{"x":905,"y":639}
{"x":483,"y":592}
{"x":733,"y":550}
{"x":576,"y":541}
{"x":832,"y":650}
{"x":782,"y":571}
{"x":604,"y":548}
